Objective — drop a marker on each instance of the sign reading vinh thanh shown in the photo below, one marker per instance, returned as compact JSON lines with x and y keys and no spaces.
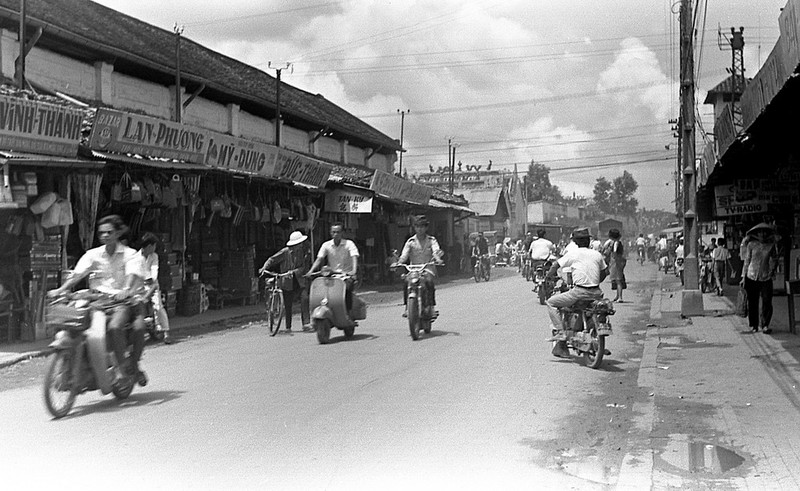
{"x":400,"y":189}
{"x":39,"y":127}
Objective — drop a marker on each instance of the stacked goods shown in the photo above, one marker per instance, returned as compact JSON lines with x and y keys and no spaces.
{"x":238,"y":272}
{"x":46,"y":256}
{"x":170,"y":280}
{"x":210,"y":262}
{"x":190,"y":299}
{"x":170,"y":302}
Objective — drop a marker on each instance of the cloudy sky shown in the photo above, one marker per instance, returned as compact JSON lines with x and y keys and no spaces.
{"x":586,"y":87}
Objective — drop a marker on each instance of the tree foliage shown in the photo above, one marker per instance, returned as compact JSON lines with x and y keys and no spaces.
{"x":538,"y":186}
{"x":616,"y":196}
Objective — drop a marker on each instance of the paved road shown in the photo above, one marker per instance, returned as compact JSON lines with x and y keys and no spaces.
{"x":478,"y":403}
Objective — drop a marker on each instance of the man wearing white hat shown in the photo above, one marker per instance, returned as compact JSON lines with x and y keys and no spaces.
{"x":296,"y":258}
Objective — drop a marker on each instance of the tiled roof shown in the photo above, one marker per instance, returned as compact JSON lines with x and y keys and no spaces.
{"x":114,"y":35}
{"x":725,"y":88}
{"x":484,"y":201}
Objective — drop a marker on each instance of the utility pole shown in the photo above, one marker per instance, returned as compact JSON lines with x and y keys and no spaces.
{"x":402,"y":125}
{"x":178,"y":30}
{"x":22,"y":37}
{"x":736,"y":44}
{"x":692,"y":299}
{"x":278,"y":71}
{"x":450,"y":164}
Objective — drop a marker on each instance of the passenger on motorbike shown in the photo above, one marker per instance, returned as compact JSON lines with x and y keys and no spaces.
{"x":481,"y":250}
{"x":421,"y":248}
{"x":152,"y":292}
{"x":341,"y":255}
{"x":115,"y":270}
{"x":541,"y":249}
{"x":589,"y":269}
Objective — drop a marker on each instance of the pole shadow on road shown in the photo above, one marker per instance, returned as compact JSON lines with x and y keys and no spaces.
{"x":136,"y":399}
{"x":436,"y":333}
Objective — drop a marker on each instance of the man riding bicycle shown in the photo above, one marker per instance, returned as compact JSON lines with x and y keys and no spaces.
{"x":641,"y":243}
{"x":480,"y":251}
{"x":589,"y":269}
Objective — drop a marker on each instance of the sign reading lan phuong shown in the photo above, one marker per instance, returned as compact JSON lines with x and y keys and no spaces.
{"x":39,"y":127}
{"x":121,"y":132}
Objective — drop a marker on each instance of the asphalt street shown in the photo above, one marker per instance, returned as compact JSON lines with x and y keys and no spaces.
{"x":479,"y":403}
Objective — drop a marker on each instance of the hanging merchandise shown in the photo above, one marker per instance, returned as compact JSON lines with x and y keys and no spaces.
{"x":65,"y":213}
{"x":238,"y":216}
{"x":217,"y":205}
{"x":168,"y":198}
{"x":43,"y":203}
{"x":277,"y":214}
{"x":51,"y":216}
{"x":86,"y":188}
{"x":5,"y":186}
{"x":131,"y":190}
{"x":31,"y":183}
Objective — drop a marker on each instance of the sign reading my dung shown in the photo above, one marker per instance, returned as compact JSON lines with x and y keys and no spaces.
{"x":38,"y":127}
{"x":121,"y":132}
{"x":398,"y":188}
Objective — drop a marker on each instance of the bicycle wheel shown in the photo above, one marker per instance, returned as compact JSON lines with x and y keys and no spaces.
{"x":274,"y":311}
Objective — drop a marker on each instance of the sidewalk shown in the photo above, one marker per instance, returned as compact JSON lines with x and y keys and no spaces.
{"x":716,"y":401}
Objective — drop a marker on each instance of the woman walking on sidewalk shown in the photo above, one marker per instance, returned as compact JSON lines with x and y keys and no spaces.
{"x":615,"y":257}
{"x":760,"y":262}
{"x":721,"y":257}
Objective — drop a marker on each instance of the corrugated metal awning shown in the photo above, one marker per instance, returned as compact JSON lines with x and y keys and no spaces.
{"x":155,"y":163}
{"x":52,"y":161}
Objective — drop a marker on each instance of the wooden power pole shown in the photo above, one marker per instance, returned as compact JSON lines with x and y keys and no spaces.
{"x":692,"y":300}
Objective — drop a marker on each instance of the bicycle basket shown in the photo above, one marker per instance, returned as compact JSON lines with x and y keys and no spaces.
{"x":73,"y":315}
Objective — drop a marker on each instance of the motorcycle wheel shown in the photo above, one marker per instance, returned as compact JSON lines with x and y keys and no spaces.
{"x":274,"y":313}
{"x":487,"y":274}
{"x":542,"y":294}
{"x":594,"y":357}
{"x":528,"y":275}
{"x":349,"y":332}
{"x":323,"y":329}
{"x":413,"y":318}
{"x":59,"y":394}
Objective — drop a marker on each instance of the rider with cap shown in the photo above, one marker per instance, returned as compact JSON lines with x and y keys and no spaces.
{"x":589,"y":269}
{"x":421,"y":248}
{"x":294,"y":257}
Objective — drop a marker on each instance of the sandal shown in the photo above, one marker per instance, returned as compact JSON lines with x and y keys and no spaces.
{"x":767,"y":330}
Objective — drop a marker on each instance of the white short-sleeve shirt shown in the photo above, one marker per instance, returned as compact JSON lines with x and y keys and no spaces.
{"x":586,"y":265}
{"x":339,"y":257}
{"x":108,"y":272}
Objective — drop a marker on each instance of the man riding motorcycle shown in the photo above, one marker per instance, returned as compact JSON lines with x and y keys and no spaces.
{"x":421,"y":248}
{"x":589,"y":269}
{"x":116,"y":270}
{"x":541,"y":249}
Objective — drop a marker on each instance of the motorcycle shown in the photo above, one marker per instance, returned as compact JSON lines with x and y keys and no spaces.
{"x":586,"y":325}
{"x":328,"y":306}
{"x":421,"y":312}
{"x":541,"y":285}
{"x":482,"y":269}
{"x":81,"y":360}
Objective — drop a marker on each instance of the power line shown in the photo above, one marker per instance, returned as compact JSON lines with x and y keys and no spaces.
{"x":255,"y":16}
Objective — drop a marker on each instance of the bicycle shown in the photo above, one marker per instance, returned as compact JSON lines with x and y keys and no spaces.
{"x":640,"y":255}
{"x":273,"y":300}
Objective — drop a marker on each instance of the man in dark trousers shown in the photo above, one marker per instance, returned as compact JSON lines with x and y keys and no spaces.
{"x":296,"y":258}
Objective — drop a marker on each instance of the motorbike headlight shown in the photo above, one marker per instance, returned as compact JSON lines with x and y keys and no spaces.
{"x":323,"y":302}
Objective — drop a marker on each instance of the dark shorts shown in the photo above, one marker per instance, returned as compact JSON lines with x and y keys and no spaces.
{"x":619,"y":284}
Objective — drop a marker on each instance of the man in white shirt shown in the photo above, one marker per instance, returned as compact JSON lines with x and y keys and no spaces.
{"x":541,"y":249}
{"x":116,"y":270}
{"x":589,"y":269}
{"x":341,"y":255}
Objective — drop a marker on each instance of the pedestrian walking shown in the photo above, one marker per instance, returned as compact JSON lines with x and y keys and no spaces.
{"x":615,"y":257}
{"x":721,"y":257}
{"x":760,"y":263}
{"x":295,"y":257}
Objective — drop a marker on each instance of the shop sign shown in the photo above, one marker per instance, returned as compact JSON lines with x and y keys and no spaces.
{"x":779,"y":189}
{"x":727,"y":205}
{"x":240,"y":155}
{"x":399,"y":188}
{"x":789,"y":23}
{"x":341,"y":201}
{"x":38,"y":127}
{"x":121,"y":132}
{"x":724,"y":130}
{"x":298,"y":168}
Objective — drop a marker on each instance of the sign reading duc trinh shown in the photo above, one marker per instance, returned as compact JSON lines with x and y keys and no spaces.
{"x":38,"y":127}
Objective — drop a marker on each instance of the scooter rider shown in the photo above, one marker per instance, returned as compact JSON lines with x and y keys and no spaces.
{"x":421,"y":248}
{"x":341,"y":255}
{"x":541,"y":249}
{"x":114,"y":269}
{"x":589,"y":269}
